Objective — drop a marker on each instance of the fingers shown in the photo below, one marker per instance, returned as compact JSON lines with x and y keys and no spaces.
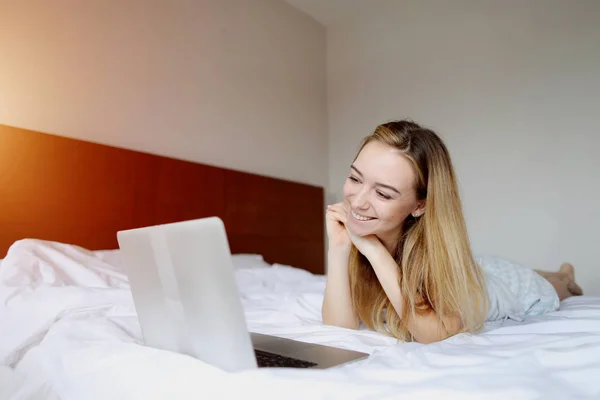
{"x":340,"y":207}
{"x":336,"y":216}
{"x":337,"y":212}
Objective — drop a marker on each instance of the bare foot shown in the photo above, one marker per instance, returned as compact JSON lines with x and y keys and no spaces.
{"x":568,"y":270}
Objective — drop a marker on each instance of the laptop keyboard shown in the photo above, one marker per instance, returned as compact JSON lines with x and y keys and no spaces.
{"x":265,"y":359}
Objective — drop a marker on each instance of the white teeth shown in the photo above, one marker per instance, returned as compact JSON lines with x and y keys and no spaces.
{"x":360,"y":217}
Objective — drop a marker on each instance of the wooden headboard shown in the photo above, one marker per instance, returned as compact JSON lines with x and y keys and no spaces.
{"x":77,"y":192}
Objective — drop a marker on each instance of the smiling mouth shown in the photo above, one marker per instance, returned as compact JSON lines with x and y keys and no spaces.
{"x":360,"y":217}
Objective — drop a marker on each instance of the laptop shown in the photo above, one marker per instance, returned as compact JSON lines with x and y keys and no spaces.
{"x":185,"y":294}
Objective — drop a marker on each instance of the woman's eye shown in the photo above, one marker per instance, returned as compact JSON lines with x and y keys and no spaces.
{"x":353,"y":179}
{"x":383,"y":195}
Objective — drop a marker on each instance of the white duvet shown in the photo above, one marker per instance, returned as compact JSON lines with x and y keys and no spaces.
{"x":68,"y":331}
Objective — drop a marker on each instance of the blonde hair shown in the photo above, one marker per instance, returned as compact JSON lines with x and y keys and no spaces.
{"x":437,"y":271}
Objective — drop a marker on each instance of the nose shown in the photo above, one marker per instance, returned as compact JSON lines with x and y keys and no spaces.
{"x":360,"y":200}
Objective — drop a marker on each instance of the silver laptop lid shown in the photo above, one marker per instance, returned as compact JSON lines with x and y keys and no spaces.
{"x":184,"y":291}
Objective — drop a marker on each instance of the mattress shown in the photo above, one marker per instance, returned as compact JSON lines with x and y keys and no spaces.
{"x":68,"y":324}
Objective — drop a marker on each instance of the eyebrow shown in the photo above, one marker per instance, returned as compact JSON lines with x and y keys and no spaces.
{"x":377,"y":183}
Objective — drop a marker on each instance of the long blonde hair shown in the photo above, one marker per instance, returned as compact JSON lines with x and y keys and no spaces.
{"x":436,"y":266}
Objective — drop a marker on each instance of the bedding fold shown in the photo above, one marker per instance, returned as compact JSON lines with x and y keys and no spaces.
{"x":67,"y":318}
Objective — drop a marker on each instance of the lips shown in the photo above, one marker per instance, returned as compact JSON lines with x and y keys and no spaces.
{"x":360,"y":217}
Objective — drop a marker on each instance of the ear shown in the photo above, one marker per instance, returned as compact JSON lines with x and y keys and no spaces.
{"x":419,"y":210}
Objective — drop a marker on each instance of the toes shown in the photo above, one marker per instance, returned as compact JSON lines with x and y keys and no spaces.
{"x":568,"y":269}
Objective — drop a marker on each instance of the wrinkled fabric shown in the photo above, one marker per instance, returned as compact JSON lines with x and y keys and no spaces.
{"x":515,"y":291}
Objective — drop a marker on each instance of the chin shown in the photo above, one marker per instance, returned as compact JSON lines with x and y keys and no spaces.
{"x":365,"y":233}
{"x":361,"y":230}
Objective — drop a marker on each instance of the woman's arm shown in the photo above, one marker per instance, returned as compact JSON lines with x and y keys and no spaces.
{"x":424,"y":328}
{"x":337,"y":305}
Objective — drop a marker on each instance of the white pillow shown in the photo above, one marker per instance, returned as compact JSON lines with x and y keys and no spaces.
{"x":248,"y":261}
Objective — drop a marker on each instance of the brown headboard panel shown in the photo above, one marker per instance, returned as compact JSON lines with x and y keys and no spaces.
{"x":78,"y":192}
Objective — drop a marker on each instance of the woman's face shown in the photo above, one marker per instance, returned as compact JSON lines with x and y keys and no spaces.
{"x":380,"y":192}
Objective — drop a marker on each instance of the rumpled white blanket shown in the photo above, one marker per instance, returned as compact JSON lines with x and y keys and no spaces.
{"x":68,"y":330}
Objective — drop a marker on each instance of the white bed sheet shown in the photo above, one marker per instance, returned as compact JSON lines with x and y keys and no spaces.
{"x":68,"y":327}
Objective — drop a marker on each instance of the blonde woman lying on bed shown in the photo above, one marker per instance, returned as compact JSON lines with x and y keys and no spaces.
{"x":399,"y":255}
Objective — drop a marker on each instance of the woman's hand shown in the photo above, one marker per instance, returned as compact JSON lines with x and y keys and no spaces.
{"x":369,"y":245}
{"x":336,"y":218}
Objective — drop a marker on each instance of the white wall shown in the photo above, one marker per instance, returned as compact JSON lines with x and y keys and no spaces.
{"x":514,"y":89}
{"x":233,"y":83}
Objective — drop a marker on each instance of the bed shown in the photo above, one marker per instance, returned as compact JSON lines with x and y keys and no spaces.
{"x":68,"y":328}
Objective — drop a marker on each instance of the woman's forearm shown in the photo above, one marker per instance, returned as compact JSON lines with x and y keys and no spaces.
{"x":424,"y":328}
{"x":337,"y":304}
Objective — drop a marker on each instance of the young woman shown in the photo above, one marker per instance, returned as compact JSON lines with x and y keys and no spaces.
{"x":399,"y":258}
